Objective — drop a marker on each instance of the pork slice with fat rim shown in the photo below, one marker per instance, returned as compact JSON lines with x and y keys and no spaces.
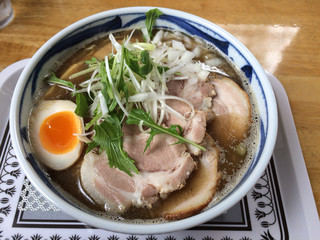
{"x":232,"y":112}
{"x":200,"y":188}
{"x":111,"y":188}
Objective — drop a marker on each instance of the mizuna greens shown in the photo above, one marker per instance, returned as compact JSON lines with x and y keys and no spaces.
{"x":126,"y":86}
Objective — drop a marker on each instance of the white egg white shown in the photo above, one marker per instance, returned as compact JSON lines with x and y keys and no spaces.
{"x":38,"y":115}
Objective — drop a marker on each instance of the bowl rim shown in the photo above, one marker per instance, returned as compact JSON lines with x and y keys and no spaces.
{"x":156,"y":228}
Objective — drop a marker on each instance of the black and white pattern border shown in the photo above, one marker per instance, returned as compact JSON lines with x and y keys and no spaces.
{"x":10,"y":172}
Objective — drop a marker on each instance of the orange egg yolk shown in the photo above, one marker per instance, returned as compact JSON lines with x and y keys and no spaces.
{"x":57,"y":132}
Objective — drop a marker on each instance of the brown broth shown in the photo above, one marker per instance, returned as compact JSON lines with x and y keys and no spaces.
{"x":231,"y":164}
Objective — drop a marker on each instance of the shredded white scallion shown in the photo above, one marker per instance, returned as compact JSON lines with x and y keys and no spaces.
{"x":87,"y":82}
{"x":180,"y":78}
{"x":103,"y":104}
{"x":129,"y":38}
{"x":81,"y":73}
{"x":64,"y":87}
{"x":133,"y":79}
{"x":170,"y":62}
{"x":147,"y":131}
{"x":94,"y":105}
{"x":84,"y":136}
{"x":145,"y":34}
{"x":148,"y":98}
{"x":162,"y":104}
{"x":115,"y":43}
{"x":91,"y":81}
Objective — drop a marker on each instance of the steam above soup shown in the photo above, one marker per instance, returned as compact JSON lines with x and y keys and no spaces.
{"x":168,"y":125}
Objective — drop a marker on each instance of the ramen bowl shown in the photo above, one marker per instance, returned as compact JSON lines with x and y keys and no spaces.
{"x":78,"y":34}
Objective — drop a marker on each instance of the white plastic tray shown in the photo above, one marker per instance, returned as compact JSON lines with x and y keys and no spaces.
{"x":279,"y":206}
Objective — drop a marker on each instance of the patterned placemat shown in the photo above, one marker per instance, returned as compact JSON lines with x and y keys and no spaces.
{"x":26,"y":214}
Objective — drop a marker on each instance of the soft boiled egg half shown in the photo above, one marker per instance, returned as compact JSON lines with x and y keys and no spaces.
{"x":53,"y":129}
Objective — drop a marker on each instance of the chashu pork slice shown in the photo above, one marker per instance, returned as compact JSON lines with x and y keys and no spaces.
{"x":194,"y":129}
{"x":200,"y":189}
{"x":163,"y":168}
{"x":112,"y":189}
{"x":232,"y":112}
{"x":164,"y":164}
{"x":198,"y":93}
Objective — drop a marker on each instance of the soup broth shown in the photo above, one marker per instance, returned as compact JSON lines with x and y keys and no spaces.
{"x":232,"y":164}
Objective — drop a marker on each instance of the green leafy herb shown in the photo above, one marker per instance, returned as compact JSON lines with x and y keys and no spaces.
{"x":53,"y":79}
{"x":92,"y":62}
{"x":132,"y":61}
{"x":151,"y":17}
{"x":81,"y":100}
{"x":147,"y":64}
{"x":138,"y":115}
{"x":91,"y":146}
{"x":141,"y":63}
{"x":162,"y":69}
{"x":82,"y":105}
{"x":109,"y":138}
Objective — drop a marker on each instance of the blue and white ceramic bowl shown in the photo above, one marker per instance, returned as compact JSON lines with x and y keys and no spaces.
{"x":74,"y":37}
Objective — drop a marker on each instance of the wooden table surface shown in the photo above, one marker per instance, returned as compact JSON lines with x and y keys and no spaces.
{"x":283,"y":35}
